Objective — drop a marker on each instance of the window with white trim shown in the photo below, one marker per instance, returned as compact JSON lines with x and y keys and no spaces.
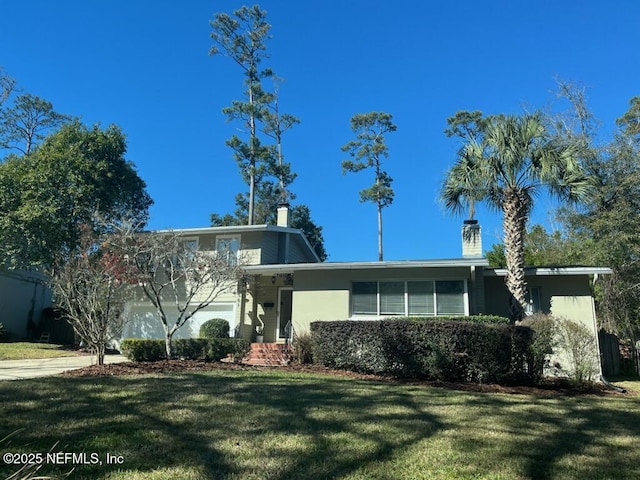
{"x":186,"y":252}
{"x":228,"y":246}
{"x":411,"y":297}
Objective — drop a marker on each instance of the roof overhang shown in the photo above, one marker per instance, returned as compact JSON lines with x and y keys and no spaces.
{"x":298,"y":267}
{"x":230,"y":229}
{"x":550,"y":271}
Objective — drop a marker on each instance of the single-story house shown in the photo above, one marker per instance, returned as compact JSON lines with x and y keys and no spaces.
{"x":286,"y":287}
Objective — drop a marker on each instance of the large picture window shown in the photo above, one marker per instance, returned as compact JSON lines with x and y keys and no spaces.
{"x":449,"y":297}
{"x":421,"y":298}
{"x":391,"y":298}
{"x":365,"y":298}
{"x":424,"y":297}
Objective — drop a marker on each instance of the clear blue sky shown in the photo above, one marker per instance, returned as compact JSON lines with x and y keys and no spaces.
{"x":144,"y":65}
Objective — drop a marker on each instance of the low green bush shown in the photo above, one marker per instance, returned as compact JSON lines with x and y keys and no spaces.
{"x":214,"y":349}
{"x":440,"y":350}
{"x":143,"y":350}
{"x":215,"y":328}
{"x":219,"y":348}
{"x":239,"y":348}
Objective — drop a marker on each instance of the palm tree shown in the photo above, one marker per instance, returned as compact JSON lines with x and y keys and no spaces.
{"x":511,"y":161}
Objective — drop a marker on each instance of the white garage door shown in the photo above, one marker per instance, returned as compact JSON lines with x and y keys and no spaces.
{"x":144,"y":322}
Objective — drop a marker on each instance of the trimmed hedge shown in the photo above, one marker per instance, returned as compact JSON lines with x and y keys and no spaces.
{"x":439,"y":350}
{"x":143,"y":350}
{"x":215,"y":328}
{"x":214,"y":349}
{"x":490,"y":319}
{"x":190,"y":348}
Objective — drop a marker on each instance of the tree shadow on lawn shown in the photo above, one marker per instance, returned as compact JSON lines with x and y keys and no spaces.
{"x":551,"y":437}
{"x":336,"y":426}
{"x":281,"y":426}
{"x":240,"y":426}
{"x":136,"y":419}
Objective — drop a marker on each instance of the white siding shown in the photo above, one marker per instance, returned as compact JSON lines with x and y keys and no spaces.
{"x":144,"y":322}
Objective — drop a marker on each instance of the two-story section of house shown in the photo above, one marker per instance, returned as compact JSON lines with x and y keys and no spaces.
{"x":250,"y":306}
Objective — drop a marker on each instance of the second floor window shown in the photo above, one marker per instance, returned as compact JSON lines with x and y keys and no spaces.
{"x":228,"y":246}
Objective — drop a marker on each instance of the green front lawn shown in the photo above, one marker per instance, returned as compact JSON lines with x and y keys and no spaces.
{"x":283,"y":425}
{"x":25,"y":350}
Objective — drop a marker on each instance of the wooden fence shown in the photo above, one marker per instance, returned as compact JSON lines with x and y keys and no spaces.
{"x":610,"y":354}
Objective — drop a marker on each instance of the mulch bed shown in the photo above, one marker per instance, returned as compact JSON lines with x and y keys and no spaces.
{"x":553,"y":387}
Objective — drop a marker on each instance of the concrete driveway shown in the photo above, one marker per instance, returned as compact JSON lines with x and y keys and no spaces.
{"x":44,"y":367}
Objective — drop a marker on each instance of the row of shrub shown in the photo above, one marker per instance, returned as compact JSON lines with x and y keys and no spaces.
{"x":447,"y":350}
{"x":207,"y":349}
{"x":488,"y":319}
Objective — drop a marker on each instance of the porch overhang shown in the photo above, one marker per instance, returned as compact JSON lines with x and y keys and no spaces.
{"x":325,"y":266}
{"x":550,"y":271}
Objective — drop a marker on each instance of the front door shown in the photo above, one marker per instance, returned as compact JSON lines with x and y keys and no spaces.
{"x":285,"y":304}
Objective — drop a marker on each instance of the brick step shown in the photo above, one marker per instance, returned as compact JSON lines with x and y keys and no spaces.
{"x":268,"y":354}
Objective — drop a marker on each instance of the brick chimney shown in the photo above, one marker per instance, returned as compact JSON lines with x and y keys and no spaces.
{"x":283,"y":215}
{"x":471,"y":239}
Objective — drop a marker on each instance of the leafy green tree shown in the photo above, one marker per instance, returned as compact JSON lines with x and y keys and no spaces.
{"x":301,"y":219}
{"x":275,"y":124}
{"x":47,"y":196}
{"x":27,"y":122}
{"x":541,"y":249}
{"x":608,"y":232}
{"x":514,"y":158}
{"x":242,"y":36}
{"x":368,"y":151}
{"x":629,"y":123}
{"x":467,"y":126}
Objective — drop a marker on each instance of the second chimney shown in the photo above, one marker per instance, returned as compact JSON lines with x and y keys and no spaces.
{"x":471,"y":239}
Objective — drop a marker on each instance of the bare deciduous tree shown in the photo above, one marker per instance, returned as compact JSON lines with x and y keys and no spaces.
{"x":175,"y":275}
{"x":88,"y":288}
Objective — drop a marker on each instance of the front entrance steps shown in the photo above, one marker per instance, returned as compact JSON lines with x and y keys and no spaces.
{"x":269,"y":354}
